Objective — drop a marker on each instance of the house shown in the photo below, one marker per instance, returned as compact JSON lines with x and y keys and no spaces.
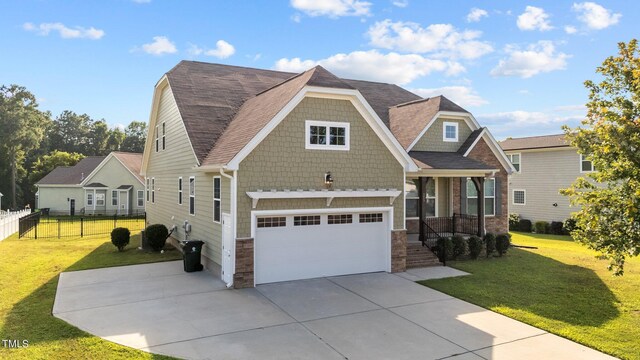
{"x":544,"y":165}
{"x":96,"y":185}
{"x":291,"y":176}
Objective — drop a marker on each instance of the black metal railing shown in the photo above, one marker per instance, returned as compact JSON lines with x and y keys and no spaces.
{"x":436,"y":227}
{"x":29,"y":223}
{"x":35,"y":226}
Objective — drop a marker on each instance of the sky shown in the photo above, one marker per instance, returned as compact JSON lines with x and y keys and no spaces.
{"x":518,"y":67}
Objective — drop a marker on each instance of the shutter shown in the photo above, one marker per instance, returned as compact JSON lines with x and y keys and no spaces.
{"x":463,"y":195}
{"x":498,"y":197}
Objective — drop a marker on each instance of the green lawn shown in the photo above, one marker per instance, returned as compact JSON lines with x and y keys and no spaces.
{"x":29,"y":272}
{"x":559,"y":287}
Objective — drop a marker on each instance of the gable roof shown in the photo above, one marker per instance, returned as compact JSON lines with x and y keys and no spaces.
{"x":471,"y":140}
{"x":446,"y":160}
{"x":132,"y":161}
{"x":72,"y":175}
{"x":534,"y":142}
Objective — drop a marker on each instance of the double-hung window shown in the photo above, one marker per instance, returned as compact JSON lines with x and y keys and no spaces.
{"x":100,"y":199}
{"x":180,"y":191}
{"x":147,"y":189}
{"x":153,"y":190}
{"x":157,"y":138}
{"x":412,"y":198}
{"x":114,"y":197}
{"x":164,"y":140}
{"x":326,"y":135}
{"x":216,"y":198}
{"x":89,"y":199}
{"x":192,"y":195}
{"x":140,"y":198}
{"x":450,"y":131}
{"x":515,"y":160}
{"x":489,"y":197}
{"x":585,"y":164}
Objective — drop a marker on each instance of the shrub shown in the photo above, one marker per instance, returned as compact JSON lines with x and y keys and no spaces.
{"x":460,"y":246}
{"x":503,"y":241}
{"x":514,"y":222}
{"x":120,"y":237}
{"x":475,"y":246}
{"x":490,"y":243}
{"x":157,"y":236}
{"x":445,"y":249}
{"x":569,"y":225}
{"x":556,"y":228}
{"x":541,"y":227}
{"x":524,"y":225}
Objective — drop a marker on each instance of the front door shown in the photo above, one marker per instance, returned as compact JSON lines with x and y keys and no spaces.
{"x":72,"y":207}
{"x":123,"y":203}
{"x":227,"y":249}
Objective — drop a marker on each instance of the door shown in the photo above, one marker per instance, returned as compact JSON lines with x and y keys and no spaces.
{"x":72,"y":207}
{"x":291,"y":247}
{"x":227,"y":250}
{"x":123,"y":202}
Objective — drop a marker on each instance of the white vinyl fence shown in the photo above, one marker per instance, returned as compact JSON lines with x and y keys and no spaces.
{"x":9,"y":221}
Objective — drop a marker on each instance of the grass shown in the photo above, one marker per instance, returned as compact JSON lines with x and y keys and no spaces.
{"x":560,"y":287}
{"x":29,"y":272}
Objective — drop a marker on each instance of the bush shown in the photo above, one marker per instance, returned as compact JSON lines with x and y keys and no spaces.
{"x":460,"y":246}
{"x":569,"y":225}
{"x":157,"y":236}
{"x":475,"y":246}
{"x":490,"y":243}
{"x":503,"y":241}
{"x":120,"y":237}
{"x":514,"y":222}
{"x":541,"y":227}
{"x":445,"y":249}
{"x":524,"y":225}
{"x":556,"y":228}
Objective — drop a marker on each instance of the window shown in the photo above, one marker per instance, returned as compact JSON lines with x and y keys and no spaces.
{"x":268,"y":222}
{"x":306,"y":220}
{"x":216,"y":199}
{"x":99,"y":199}
{"x":164,"y":143}
{"x":192,"y":195}
{"x":412,"y":198}
{"x":519,"y":197}
{"x":515,"y":161}
{"x":340,"y":219}
{"x":585,"y":164}
{"x":180,"y":191}
{"x":489,"y":197}
{"x":140,"y":198}
{"x":153,"y":190}
{"x":371,"y":218}
{"x":114,"y":197}
{"x":324,"y":135}
{"x":157,"y":139}
{"x":450,"y":131}
{"x":89,"y":199}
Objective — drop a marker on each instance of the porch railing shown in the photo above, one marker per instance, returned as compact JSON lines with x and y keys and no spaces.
{"x":436,"y":227}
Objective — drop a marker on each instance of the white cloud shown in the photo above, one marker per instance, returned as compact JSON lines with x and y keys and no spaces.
{"x":372,"y":65}
{"x":400,"y":3}
{"x":333,"y":8}
{"x":440,"y":39}
{"x":296,"y":18}
{"x":476,"y":14}
{"x":527,"y":123}
{"x":223,"y":50}
{"x":537,"y":58}
{"x":161,"y":45}
{"x":534,"y":18}
{"x":77,"y":32}
{"x":595,"y":16}
{"x":570,"y":29}
{"x":462,"y":95}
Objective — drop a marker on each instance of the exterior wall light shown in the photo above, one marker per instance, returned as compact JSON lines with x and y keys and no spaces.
{"x":328,"y":179}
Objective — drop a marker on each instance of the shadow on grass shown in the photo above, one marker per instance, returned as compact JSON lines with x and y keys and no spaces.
{"x":536,"y":284}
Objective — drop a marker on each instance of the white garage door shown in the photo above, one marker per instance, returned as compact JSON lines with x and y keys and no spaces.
{"x":291,"y":247}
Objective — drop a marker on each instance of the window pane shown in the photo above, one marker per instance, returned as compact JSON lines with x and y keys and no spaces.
{"x":216,"y":188}
{"x":337,"y":136}
{"x":515,"y":159}
{"x":216,"y":210}
{"x":517,"y":167}
{"x":518,"y":197}
{"x":586,"y":165}
{"x":471,"y":189}
{"x":411,"y":189}
{"x":472,"y":206}
{"x":192,"y":205}
{"x":192,"y":186}
{"x":489,"y":187}
{"x":412,"y":207}
{"x":450,"y":132}
{"x":430,"y":209}
{"x":431,"y":188}
{"x":489,"y":206}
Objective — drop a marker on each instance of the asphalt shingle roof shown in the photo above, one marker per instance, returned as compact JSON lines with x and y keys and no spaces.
{"x":534,"y":142}
{"x":446,"y":160}
{"x":72,"y":175}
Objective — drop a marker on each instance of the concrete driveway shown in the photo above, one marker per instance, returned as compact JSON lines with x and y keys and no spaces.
{"x":160,"y":309}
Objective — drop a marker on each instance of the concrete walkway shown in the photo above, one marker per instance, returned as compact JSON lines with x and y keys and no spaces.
{"x":160,"y":309}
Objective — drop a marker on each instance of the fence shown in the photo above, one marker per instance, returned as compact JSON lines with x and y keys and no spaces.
{"x":36,"y":226}
{"x":9,"y":222}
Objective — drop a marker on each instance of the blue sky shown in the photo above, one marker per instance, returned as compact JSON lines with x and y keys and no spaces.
{"x":519,"y":67}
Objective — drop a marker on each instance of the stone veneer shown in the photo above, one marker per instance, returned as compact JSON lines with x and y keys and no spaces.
{"x":243,"y":278}
{"x":398,"y":250}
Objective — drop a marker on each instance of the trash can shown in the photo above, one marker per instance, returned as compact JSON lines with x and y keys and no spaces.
{"x":191,"y":251}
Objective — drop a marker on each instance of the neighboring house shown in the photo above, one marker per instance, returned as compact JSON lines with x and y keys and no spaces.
{"x":544,"y":165}
{"x":96,"y":185}
{"x":291,"y":176}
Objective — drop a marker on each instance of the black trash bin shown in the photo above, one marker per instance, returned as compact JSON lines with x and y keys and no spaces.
{"x":191,"y":251}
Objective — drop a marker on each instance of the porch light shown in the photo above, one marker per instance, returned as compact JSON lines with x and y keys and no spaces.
{"x":328,"y":179}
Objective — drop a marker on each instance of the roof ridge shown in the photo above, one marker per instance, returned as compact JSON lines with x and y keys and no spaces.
{"x":412,"y":102}
{"x":531,"y":137}
{"x":281,"y":83}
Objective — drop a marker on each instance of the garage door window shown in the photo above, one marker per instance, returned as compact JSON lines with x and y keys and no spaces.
{"x":340,"y":219}
{"x":371,"y":218}
{"x":306,"y":220}
{"x":269,"y":222}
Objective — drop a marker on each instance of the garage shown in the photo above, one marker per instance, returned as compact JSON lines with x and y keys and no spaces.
{"x":318,"y":244}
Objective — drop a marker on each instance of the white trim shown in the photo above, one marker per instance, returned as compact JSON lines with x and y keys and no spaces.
{"x":103,"y":163}
{"x":474,"y":143}
{"x":513,"y":197}
{"x":194,"y":196}
{"x":444,"y":131}
{"x":510,"y":157}
{"x":581,"y":157}
{"x":322,"y":194}
{"x":453,"y":173}
{"x":213,"y":209}
{"x":233,"y":183}
{"x":327,"y":125}
{"x":453,"y":115}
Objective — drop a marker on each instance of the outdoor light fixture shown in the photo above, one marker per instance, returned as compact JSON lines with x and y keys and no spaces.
{"x":555,"y":204}
{"x":328,"y":179}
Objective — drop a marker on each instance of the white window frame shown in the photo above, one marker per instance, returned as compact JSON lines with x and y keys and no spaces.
{"x":513,"y":197}
{"x":510,"y":157}
{"x":89,"y":198}
{"x":180,"y":193}
{"x":157,"y":139}
{"x":114,"y":198}
{"x":139,"y":203}
{"x":218,"y":199}
{"x":434,"y":198}
{"x":582,"y":159}
{"x":146,"y":188}
{"x":100,"y":198}
{"x":485,"y":197}
{"x":327,"y":124}
{"x":444,"y":131}
{"x":153,"y":190}
{"x":192,"y":196}
{"x":164,"y":133}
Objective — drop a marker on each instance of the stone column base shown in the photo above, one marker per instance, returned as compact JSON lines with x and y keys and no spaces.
{"x":398,"y":250}
{"x":243,"y":278}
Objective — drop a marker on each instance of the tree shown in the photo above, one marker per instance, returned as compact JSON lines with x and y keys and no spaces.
{"x":609,"y":219}
{"x":22,"y":125}
{"x":71,"y":133}
{"x":98,"y":137}
{"x":115,"y":139}
{"x":136,"y":135}
{"x":47,"y":163}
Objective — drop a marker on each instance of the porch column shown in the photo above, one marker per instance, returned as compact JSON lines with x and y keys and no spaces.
{"x":422,"y":204}
{"x":478,"y":182}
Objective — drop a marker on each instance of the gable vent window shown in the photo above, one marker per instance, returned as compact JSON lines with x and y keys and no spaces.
{"x":340,"y":219}
{"x":326,"y":135}
{"x":450,"y":131}
{"x":519,"y":197}
{"x":306,"y":220}
{"x":268,"y":222}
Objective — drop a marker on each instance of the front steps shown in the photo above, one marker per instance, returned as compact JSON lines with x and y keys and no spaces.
{"x":420,"y":256}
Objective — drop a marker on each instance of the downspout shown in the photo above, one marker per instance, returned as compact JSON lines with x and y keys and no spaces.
{"x":232,"y":181}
